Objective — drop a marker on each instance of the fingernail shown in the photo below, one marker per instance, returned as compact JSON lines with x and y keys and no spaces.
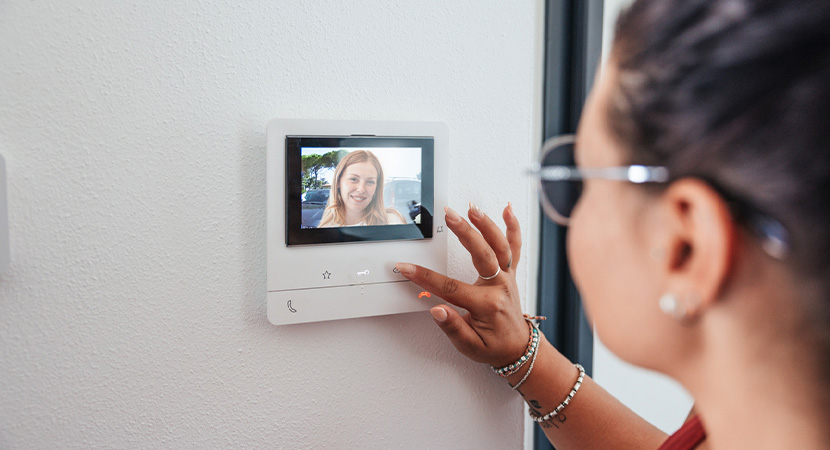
{"x":452,"y":216}
{"x":474,"y":210}
{"x":405,"y":268}
{"x":438,"y":313}
{"x":510,"y":208}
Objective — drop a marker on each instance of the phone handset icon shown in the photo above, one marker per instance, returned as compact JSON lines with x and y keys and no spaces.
{"x":290,"y":308}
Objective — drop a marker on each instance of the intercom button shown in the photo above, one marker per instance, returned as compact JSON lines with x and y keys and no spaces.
{"x":362,"y":272}
{"x":362,"y":276}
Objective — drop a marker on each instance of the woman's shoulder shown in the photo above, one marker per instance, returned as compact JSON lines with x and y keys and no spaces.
{"x":394,"y":217}
{"x":329,"y":222}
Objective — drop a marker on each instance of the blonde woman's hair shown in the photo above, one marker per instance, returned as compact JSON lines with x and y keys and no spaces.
{"x":374,"y":213}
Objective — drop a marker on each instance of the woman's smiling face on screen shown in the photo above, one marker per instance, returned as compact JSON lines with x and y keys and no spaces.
{"x":357,"y":187}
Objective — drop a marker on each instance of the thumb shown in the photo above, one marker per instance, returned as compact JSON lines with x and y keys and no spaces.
{"x":462,"y":336}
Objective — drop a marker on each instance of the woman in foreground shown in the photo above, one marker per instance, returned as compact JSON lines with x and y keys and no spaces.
{"x":700,"y":248}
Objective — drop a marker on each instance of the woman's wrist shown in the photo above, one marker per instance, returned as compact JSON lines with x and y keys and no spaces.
{"x":547,"y":357}
{"x":527,"y":355}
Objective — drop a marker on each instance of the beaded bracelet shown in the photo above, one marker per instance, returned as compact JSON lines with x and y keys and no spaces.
{"x":529,"y":369}
{"x":529,"y":317}
{"x":532,"y":345}
{"x":552,"y":414}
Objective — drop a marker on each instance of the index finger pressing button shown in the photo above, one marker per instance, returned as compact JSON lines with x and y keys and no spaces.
{"x":449,"y":289}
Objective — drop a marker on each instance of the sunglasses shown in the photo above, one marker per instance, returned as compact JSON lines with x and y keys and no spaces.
{"x":560,"y":185}
{"x":560,"y":181}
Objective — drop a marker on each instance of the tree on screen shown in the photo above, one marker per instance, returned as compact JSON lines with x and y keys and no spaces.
{"x":313,"y":164}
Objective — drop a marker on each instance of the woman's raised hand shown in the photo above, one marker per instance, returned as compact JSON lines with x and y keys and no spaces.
{"x":494,"y":330}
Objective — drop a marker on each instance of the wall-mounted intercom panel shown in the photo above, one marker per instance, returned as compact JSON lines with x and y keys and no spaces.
{"x":346,"y":201}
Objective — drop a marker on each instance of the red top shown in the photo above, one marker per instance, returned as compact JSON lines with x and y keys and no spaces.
{"x":689,"y":436}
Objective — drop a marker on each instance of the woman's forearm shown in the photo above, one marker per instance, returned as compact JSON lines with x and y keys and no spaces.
{"x":592,"y":420}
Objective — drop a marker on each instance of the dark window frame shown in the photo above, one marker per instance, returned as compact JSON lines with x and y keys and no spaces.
{"x":573,"y":47}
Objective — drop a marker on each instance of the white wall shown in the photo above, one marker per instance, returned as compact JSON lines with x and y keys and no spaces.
{"x":133,"y":312}
{"x":657,"y":398}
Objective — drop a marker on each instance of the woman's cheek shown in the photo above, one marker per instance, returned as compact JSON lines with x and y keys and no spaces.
{"x":585,"y":258}
{"x":576,"y":252}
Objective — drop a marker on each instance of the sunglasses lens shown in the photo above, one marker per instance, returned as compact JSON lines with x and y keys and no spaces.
{"x":560,"y":196}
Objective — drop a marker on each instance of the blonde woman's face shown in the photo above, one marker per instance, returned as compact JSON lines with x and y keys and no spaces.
{"x":357,"y":186}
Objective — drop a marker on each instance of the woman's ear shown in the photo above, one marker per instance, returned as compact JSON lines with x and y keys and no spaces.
{"x":699,"y":243}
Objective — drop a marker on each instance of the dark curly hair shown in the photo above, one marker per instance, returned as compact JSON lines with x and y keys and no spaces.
{"x":737,"y":93}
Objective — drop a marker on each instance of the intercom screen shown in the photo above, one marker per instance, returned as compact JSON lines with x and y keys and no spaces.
{"x":358,"y":188}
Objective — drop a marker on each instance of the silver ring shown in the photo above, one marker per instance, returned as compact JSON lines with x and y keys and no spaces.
{"x":498,"y":271}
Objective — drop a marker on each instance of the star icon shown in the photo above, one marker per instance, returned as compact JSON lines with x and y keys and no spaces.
{"x":326,"y":275}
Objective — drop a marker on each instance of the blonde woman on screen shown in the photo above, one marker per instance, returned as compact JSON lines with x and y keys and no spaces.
{"x":357,"y":194}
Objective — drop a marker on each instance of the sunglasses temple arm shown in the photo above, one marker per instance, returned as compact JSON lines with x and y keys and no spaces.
{"x":634,"y":174}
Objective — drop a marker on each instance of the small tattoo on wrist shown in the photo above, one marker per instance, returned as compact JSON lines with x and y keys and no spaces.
{"x":554,"y":422}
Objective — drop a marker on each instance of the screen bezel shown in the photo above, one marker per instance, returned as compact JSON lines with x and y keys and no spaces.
{"x":296,"y":235}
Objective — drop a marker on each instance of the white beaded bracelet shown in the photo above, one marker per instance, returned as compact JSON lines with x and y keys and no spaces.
{"x":552,"y":414}
{"x":529,"y":369}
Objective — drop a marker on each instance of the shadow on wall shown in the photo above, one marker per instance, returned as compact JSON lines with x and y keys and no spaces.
{"x":251,"y":200}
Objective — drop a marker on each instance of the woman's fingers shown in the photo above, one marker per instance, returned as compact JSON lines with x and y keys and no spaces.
{"x":461,"y":334}
{"x":514,"y":234}
{"x":493,"y":236}
{"x":451,"y":290}
{"x":484,"y":259}
{"x":488,"y":333}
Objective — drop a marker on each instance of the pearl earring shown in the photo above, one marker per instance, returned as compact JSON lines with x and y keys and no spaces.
{"x":670,"y":305}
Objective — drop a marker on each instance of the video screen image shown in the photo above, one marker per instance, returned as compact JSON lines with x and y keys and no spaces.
{"x":358,"y":188}
{"x":344,"y":187}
